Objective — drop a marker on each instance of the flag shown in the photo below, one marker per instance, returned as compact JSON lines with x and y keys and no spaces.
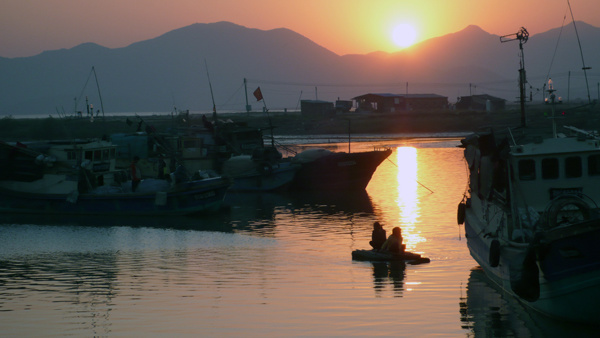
{"x":258,"y":94}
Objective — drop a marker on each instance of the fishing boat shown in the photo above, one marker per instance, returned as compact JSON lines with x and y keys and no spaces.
{"x":323,"y":170}
{"x":383,"y":256}
{"x":251,"y":160}
{"x":531,"y":216}
{"x":79,"y":177}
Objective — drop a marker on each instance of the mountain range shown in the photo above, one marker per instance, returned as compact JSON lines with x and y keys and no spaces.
{"x":183,"y":67}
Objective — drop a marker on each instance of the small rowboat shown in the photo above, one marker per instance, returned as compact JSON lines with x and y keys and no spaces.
{"x":379,"y":256}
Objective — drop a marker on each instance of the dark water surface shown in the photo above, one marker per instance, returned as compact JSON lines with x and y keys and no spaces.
{"x":270,"y":265}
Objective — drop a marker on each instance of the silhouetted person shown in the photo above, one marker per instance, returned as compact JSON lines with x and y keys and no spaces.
{"x":378,"y":237}
{"x":394,"y":242}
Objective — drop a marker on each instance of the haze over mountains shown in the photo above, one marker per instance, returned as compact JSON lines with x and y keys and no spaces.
{"x":157,"y":74}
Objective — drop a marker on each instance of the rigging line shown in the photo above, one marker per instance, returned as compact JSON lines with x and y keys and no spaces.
{"x":233,"y":95}
{"x":555,"y":48}
{"x":98,"y":87}
{"x":580,"y":52}
{"x":83,"y":89}
{"x":358,"y":85}
{"x":421,"y":184}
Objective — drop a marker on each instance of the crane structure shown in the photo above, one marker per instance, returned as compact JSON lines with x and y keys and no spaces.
{"x":522,"y":36}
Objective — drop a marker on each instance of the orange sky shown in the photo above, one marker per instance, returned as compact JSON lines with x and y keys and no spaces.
{"x":28,"y":27}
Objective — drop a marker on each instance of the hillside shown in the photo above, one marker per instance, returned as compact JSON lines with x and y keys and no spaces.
{"x":173,"y":69}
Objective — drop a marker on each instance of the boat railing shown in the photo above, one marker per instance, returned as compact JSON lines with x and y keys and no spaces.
{"x":287,"y":148}
{"x":583,"y":133}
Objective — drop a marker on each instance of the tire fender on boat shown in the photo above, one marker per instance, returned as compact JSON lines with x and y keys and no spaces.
{"x":574,"y":205}
{"x":460,"y":215}
{"x":494,"y":258}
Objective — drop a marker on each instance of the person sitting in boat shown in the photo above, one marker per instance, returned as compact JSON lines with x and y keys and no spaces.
{"x":394,"y":243}
{"x":378,"y":236}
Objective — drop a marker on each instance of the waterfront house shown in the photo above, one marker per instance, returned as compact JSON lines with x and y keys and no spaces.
{"x":397,"y":103}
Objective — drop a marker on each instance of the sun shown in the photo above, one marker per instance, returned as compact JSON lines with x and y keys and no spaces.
{"x":404,"y":35}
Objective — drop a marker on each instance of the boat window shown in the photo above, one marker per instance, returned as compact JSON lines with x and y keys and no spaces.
{"x":549,"y":168}
{"x":192,"y":144}
{"x":105,"y":156}
{"x":573,"y":167}
{"x":527,"y":170}
{"x":97,"y":155}
{"x":71,"y":155}
{"x":594,"y":165}
{"x":113,"y":153}
{"x":88,"y":155}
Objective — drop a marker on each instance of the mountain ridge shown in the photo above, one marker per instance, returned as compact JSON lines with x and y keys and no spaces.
{"x":171,"y":70}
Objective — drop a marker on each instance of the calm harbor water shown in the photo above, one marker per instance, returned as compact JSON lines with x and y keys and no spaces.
{"x":269,"y":265}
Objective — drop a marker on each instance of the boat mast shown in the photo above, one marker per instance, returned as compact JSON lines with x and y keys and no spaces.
{"x":100,"y":96}
{"x":246,"y":91}
{"x":522,"y":36}
{"x":211,"y":94}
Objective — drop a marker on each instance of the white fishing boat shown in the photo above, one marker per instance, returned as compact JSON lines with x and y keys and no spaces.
{"x":532,"y":220}
{"x":531,"y":214}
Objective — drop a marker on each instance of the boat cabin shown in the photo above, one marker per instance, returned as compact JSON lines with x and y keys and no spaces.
{"x":556,"y":166}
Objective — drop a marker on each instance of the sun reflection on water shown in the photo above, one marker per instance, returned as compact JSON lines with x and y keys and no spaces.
{"x":407,"y":199}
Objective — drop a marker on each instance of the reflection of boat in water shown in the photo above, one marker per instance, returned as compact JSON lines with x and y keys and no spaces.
{"x":332,"y":202}
{"x":379,"y":256}
{"x":531,"y":216}
{"x":79,"y":177}
{"x":488,"y":311}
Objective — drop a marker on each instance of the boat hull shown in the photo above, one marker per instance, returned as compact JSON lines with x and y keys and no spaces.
{"x":204,"y":196}
{"x":378,"y":256}
{"x":275,"y":178}
{"x":563,"y":282}
{"x":339,"y":171}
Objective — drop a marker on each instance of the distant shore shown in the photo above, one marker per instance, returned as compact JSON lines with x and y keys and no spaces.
{"x":295,"y":124}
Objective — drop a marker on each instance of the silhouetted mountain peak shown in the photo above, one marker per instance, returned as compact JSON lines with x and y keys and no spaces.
{"x":154,"y":74}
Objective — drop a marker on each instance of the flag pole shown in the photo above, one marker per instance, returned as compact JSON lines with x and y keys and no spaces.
{"x":259,"y":96}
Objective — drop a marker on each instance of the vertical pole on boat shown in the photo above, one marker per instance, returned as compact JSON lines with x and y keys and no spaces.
{"x":522,"y":35}
{"x":552,"y":97}
{"x":261,"y":97}
{"x":99,"y":95}
{"x":211,"y":94}
{"x":522,"y":81}
{"x":349,"y":135}
{"x":569,"y":88}
{"x":246,"y":91}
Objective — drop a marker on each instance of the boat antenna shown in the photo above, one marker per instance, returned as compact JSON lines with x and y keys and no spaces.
{"x":581,"y":52}
{"x":211,"y":93}
{"x":522,"y":35}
